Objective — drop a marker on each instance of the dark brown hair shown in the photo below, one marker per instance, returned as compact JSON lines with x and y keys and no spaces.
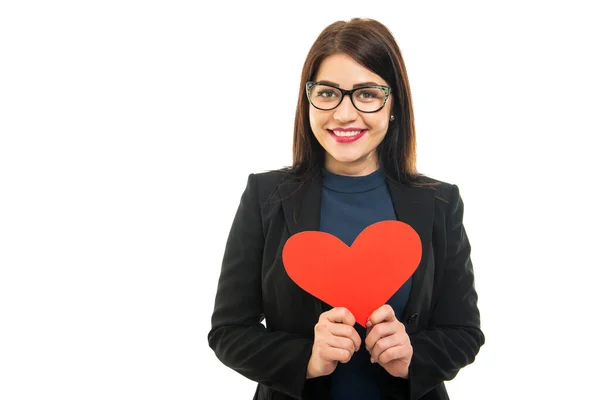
{"x":372,"y":45}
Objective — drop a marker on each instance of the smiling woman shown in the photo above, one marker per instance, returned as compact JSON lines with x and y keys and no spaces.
{"x":354,"y":167}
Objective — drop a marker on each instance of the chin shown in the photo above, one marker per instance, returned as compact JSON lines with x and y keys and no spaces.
{"x":347,"y":159}
{"x":343,"y":157}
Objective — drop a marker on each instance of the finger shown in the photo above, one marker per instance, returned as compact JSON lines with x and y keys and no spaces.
{"x":383,"y":344}
{"x":340,"y":315}
{"x":347,"y":332}
{"x":402,"y":352}
{"x":383,"y":313}
{"x":340,"y":342}
{"x":335,"y":354}
{"x":382,"y":330}
{"x":380,"y":346}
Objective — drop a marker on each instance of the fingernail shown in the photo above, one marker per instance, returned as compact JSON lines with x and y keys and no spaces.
{"x":369,"y":324}
{"x":372,"y":361}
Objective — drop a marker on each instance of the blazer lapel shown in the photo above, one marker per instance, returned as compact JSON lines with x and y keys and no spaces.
{"x":415,"y":207}
{"x":302,"y":205}
{"x":302,"y":211}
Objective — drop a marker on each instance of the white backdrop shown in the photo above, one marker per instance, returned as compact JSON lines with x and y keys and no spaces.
{"x":127,"y":132}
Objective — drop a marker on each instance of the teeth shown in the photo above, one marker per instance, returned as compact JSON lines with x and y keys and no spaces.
{"x":348,"y":133}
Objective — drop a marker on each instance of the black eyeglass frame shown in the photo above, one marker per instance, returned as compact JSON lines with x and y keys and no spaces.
{"x":386,"y":89}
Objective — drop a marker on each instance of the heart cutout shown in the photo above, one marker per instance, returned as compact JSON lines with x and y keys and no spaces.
{"x":361,"y":277}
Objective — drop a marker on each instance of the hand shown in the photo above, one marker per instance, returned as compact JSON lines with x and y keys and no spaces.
{"x":387,"y":342}
{"x":336,"y":340}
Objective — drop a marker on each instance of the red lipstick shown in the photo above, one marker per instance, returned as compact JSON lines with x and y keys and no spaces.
{"x":347,"y":139}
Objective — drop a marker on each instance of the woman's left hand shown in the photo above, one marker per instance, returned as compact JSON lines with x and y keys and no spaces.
{"x":387,"y":342}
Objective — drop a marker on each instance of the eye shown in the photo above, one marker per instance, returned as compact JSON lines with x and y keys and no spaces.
{"x":325,"y":93}
{"x":369,"y":94}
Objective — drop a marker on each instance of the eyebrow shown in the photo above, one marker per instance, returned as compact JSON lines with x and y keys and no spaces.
{"x":354,"y":86}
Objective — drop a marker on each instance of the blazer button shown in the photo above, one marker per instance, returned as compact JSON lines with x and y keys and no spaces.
{"x":412,"y":318}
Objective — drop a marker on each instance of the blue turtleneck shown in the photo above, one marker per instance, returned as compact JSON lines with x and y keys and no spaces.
{"x":349,"y":205}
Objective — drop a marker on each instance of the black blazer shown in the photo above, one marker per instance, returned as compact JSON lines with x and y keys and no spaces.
{"x":441,"y":316}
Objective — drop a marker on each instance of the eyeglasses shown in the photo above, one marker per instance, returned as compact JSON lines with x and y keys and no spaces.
{"x":367,"y":99}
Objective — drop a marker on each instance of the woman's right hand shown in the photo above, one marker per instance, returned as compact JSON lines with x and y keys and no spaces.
{"x":336,"y":340}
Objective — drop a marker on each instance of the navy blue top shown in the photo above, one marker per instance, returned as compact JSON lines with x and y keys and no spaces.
{"x":349,"y":205}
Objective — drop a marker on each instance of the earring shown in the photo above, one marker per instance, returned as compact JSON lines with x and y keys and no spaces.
{"x":392,"y":118}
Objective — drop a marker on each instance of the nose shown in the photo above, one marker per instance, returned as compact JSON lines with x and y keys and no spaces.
{"x":345,"y":112}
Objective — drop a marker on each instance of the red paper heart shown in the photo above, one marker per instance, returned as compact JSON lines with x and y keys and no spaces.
{"x":361,"y":277}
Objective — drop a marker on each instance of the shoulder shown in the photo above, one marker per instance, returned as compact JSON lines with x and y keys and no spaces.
{"x":267,"y":181}
{"x":445,"y":192}
{"x":449,"y":202}
{"x":263,"y":186}
{"x":272,"y":178}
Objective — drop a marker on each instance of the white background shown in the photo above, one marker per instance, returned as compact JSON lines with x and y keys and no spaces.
{"x":128,"y":130}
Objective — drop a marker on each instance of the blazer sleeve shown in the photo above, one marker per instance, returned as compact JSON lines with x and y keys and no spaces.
{"x":239,"y":340}
{"x":453,"y":337}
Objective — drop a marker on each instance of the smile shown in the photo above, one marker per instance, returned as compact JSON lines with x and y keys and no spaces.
{"x":347,"y":136}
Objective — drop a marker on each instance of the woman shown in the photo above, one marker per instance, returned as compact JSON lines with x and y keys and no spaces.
{"x":353,"y":166}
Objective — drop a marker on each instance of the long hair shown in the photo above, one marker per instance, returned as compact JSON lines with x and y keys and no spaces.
{"x":372,"y":45}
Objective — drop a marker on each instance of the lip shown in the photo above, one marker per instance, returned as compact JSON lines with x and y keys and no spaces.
{"x":347,"y":139}
{"x":352,"y":128}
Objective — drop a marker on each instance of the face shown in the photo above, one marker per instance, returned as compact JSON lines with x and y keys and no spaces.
{"x":349,"y":137}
